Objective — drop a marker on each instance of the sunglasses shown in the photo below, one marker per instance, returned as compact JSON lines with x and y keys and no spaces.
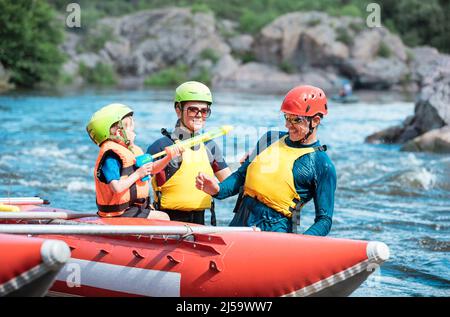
{"x":194,"y":111}
{"x":295,"y":120}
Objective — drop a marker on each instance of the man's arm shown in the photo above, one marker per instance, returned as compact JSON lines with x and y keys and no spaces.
{"x":323,"y":200}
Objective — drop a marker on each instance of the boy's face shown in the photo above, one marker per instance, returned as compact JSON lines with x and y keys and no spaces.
{"x":128,"y":126}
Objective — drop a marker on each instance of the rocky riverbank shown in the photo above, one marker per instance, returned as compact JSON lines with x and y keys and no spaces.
{"x":297,"y":47}
{"x":153,"y":47}
{"x":428,"y":129}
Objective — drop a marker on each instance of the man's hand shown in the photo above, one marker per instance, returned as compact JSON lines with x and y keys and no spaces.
{"x":174,"y":151}
{"x":207,"y":184}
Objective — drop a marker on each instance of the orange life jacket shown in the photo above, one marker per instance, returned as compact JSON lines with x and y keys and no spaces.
{"x":109,"y":203}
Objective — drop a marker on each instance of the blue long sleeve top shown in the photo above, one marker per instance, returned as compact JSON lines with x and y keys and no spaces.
{"x":314,"y":178}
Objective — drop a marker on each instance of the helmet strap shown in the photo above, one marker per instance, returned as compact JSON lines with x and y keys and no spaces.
{"x":124,"y":139}
{"x":308,"y":134}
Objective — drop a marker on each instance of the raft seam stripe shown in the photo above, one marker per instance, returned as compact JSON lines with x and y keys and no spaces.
{"x":331,"y":280}
{"x":23,"y":279}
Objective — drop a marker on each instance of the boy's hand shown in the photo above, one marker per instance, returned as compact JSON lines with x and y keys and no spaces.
{"x":145,"y":170}
{"x":174,"y":151}
{"x":207,"y":184}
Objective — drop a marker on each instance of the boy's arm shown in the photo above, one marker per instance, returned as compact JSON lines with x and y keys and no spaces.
{"x":171,"y":153}
{"x":121,"y":185}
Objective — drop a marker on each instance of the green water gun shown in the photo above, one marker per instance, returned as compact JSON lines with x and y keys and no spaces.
{"x":215,"y":133}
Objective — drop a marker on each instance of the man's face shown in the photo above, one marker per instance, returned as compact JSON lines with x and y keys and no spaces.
{"x":297,"y":126}
{"x":193,"y":114}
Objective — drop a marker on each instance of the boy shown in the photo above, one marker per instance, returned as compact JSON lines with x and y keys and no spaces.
{"x":118,"y":186}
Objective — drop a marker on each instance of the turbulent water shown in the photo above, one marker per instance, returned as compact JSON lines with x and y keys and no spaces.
{"x":402,"y":199}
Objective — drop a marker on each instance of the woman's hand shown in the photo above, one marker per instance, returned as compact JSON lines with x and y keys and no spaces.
{"x":207,"y":184}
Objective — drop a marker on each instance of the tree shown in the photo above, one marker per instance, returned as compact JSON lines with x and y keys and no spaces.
{"x":29,"y":39}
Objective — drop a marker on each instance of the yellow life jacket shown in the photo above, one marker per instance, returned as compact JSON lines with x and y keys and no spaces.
{"x":269,"y":177}
{"x":179,"y":192}
{"x":109,"y":203}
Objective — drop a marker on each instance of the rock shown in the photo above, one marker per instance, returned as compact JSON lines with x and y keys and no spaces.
{"x":241,"y":44}
{"x":164,"y":37}
{"x":304,"y":39}
{"x":2,"y":71}
{"x":269,"y":79}
{"x":70,"y":68}
{"x":4,"y":79}
{"x":437,"y":141}
{"x":70,"y":44}
{"x":366,"y":45}
{"x":373,"y":58}
{"x":258,"y":77}
{"x":224,"y":68}
{"x":432,"y":108}
{"x":118,"y":50}
{"x":88,"y":59}
{"x":379,"y":73}
{"x":227,"y":28}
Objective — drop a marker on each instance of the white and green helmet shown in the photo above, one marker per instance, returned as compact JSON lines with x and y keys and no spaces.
{"x":101,"y":121}
{"x":193,"y":91}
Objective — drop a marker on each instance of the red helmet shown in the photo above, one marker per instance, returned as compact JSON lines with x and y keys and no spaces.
{"x":305,"y":101}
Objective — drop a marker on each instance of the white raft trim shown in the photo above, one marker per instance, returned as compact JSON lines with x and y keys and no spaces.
{"x":123,"y":279}
{"x":377,"y":253}
{"x":94,"y":229}
{"x":45,"y":215}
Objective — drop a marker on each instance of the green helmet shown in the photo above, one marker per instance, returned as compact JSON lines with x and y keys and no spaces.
{"x":102,"y":121}
{"x":193,"y":91}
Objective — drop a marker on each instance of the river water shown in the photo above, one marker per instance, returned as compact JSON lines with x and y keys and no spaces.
{"x":402,"y":199}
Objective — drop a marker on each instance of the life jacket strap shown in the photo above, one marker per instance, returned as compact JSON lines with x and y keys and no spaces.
{"x":119,"y":209}
{"x":213,"y":213}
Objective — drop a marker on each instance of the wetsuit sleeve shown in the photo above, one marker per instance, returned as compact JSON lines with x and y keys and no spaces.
{"x":323,"y":195}
{"x":111,"y":168}
{"x":215,"y":155}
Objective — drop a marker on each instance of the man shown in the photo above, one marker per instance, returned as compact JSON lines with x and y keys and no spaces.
{"x":174,"y":187}
{"x":285,"y":171}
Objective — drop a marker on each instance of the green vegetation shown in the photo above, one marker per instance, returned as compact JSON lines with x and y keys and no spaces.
{"x":30,"y":32}
{"x":175,"y":75}
{"x":419,"y":22}
{"x":356,"y":27}
{"x":343,"y":36}
{"x":170,"y":76}
{"x":287,"y":67}
{"x":246,"y":57}
{"x":101,"y":74}
{"x":314,"y":22}
{"x":203,"y":76}
{"x":200,"y":8}
{"x":384,"y":50}
{"x":210,"y":54}
{"x":29,"y":39}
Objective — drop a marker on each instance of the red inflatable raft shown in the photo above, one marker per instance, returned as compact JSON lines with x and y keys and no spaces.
{"x":221,"y":264}
{"x":28,"y":266}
